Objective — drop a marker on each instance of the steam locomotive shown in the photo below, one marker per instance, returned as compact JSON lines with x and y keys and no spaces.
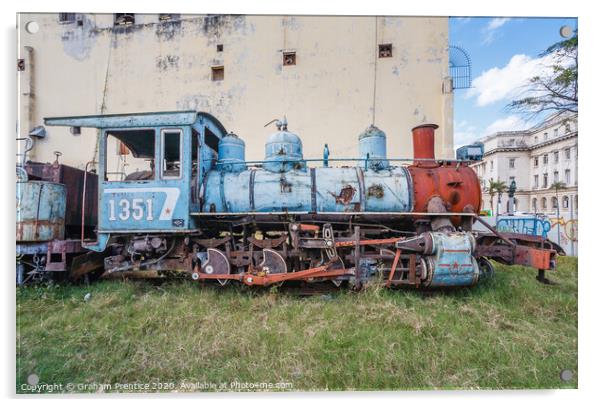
{"x":200,"y":209}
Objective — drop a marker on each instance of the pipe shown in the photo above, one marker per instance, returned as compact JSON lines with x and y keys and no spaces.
{"x":423,"y":139}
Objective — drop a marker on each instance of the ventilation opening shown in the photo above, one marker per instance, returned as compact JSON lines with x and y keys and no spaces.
{"x":220,"y":47}
{"x":124,"y":19}
{"x":217,"y":73}
{"x":385,"y":50}
{"x":289,"y":58}
{"x":66,"y":18}
{"x":168,"y":17}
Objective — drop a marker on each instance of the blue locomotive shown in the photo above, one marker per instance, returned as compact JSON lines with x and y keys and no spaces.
{"x":177,"y":196}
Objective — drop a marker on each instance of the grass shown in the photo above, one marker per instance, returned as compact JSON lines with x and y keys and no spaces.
{"x":510,"y":332}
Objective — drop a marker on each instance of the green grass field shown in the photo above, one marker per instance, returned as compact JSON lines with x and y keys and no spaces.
{"x":510,"y":332}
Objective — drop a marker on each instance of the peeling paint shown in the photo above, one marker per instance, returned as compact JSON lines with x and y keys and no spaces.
{"x":166,"y":62}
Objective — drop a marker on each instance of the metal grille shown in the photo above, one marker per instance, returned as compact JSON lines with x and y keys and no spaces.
{"x":460,"y":67}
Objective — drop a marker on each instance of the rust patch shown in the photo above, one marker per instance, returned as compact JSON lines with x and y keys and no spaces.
{"x":454,"y":197}
{"x":285,"y":186}
{"x":376,"y":191}
{"x":345,"y":196}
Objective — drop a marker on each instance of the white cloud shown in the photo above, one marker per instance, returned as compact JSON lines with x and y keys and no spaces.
{"x":509,"y":123}
{"x":464,"y":133}
{"x":496,"y":23}
{"x":489,"y":32}
{"x":508,"y":82}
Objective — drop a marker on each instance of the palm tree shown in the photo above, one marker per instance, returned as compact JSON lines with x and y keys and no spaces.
{"x":496,"y":187}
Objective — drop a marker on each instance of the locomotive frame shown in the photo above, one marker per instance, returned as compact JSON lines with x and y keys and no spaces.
{"x":206,"y":212}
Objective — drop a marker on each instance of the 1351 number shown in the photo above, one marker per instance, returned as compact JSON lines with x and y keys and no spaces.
{"x":136,"y":208}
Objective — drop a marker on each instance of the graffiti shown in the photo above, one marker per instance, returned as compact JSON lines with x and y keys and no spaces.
{"x":531,"y":225}
{"x":568,"y":227}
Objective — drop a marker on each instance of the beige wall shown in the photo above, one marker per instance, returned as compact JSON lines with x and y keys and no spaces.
{"x":327,"y":97}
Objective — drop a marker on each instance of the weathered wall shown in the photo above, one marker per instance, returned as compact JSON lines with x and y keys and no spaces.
{"x":327,"y":96}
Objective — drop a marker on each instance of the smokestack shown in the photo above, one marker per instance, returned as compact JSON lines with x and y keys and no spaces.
{"x":423,"y":138}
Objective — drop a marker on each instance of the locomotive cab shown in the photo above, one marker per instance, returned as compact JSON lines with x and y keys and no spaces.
{"x":150,"y":169}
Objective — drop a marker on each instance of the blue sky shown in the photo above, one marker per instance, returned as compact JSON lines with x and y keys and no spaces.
{"x":504,"y":53}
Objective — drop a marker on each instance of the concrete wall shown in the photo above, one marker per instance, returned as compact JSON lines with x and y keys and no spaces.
{"x":94,"y":67}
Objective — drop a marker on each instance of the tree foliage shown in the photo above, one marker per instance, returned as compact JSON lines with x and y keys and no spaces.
{"x":555,"y":91}
{"x":495,"y":188}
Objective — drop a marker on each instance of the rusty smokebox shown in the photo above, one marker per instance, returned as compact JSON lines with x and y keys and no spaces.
{"x":423,"y":138}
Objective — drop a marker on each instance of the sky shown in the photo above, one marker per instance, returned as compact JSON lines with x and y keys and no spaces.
{"x":505,"y":53}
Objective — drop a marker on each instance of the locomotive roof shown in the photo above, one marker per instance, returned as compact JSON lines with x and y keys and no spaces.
{"x":125,"y":120}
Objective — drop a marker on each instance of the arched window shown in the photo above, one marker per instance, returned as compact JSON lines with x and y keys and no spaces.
{"x":534,"y":204}
{"x":544,"y":203}
{"x":565,"y":202}
{"x":554,"y":202}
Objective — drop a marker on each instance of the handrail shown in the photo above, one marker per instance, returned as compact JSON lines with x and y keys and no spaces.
{"x":84,"y":198}
{"x":440,"y":160}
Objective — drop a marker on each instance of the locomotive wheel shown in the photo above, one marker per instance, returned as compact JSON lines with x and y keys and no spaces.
{"x":273,"y":262}
{"x":486,"y":269}
{"x":216,"y":263}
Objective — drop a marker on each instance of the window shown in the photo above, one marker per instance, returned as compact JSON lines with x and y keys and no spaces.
{"x":124,"y":19}
{"x":536,"y":181}
{"x":171,"y":153}
{"x":545,"y":180}
{"x":385,"y":50}
{"x":565,"y":202}
{"x":567,"y":176}
{"x":554,"y":202}
{"x":534,"y":204}
{"x":536,"y":139}
{"x":66,"y":18}
{"x":545,"y":136}
{"x":491,"y":166}
{"x":535,"y":161}
{"x":567,"y":153}
{"x":217,"y":73}
{"x":511,"y":142}
{"x":545,"y":159}
{"x":129,"y":155}
{"x":168,"y":17}
{"x":556,"y":176}
{"x":544,"y":203}
{"x":567,"y":128}
{"x":511,"y":162}
{"x":289,"y":58}
{"x":555,"y":156}
{"x":219,"y":47}
{"x":555,"y":132}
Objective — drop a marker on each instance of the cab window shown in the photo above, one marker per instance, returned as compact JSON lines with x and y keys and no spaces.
{"x":129,"y":155}
{"x":171,"y":153}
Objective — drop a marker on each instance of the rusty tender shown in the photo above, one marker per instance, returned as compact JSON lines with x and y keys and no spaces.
{"x":208,"y":213}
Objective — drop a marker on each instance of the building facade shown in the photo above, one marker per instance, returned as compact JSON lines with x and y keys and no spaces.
{"x":537,"y":160}
{"x":331,"y":76}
